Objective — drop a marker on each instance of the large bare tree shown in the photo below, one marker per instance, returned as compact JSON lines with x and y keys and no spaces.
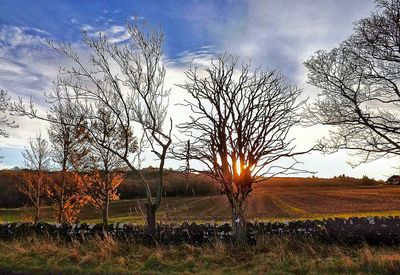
{"x":359,"y":87}
{"x":126,"y":81}
{"x":239,"y":127}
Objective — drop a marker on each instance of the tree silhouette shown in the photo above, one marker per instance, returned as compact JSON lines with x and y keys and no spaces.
{"x":239,"y":127}
{"x":359,"y":93}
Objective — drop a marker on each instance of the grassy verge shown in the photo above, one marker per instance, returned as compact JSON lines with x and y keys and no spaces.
{"x":272,"y":255}
{"x":25,"y":214}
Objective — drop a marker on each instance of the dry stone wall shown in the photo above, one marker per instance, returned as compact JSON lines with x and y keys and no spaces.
{"x":375,"y":230}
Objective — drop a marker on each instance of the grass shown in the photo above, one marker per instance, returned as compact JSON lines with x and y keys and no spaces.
{"x":271,"y":255}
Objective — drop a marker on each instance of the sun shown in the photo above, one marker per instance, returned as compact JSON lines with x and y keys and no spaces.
{"x":238,"y":167}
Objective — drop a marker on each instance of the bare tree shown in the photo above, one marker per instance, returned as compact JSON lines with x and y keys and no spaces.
{"x":239,"y":128}
{"x":35,"y":183}
{"x":127,"y":81}
{"x":359,"y":93}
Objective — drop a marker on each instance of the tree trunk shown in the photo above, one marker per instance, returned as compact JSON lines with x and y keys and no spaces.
{"x":105,"y":211}
{"x":151,"y":218}
{"x":239,"y":229}
{"x":107,"y":197}
{"x":37,"y":203}
{"x":37,"y":214}
{"x":37,"y":208}
{"x":61,"y":199}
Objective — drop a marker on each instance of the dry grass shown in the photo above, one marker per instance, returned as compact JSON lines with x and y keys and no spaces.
{"x":270,"y":255}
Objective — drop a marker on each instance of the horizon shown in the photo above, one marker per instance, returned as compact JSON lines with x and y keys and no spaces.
{"x":253,"y":30}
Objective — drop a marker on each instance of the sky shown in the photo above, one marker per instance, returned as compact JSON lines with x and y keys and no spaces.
{"x":273,"y":34}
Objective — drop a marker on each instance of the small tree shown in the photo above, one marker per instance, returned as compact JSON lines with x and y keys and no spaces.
{"x":74,"y":188}
{"x":239,"y":128}
{"x":359,"y":88}
{"x":105,"y":177}
{"x":103,"y":189}
{"x":35,"y":182}
{"x":69,"y":149}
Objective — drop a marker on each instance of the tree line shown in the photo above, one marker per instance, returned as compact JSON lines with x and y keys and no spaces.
{"x":110,"y":107}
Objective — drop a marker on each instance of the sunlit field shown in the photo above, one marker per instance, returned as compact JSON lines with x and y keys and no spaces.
{"x":279,"y":199}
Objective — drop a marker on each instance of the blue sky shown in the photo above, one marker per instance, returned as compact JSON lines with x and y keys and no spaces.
{"x":271,"y":33}
{"x":182,"y":21}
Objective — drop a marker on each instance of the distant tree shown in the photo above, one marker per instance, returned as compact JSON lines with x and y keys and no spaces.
{"x":239,"y":128}
{"x":35,"y":182}
{"x":36,"y":187}
{"x":367,"y":181}
{"x":359,"y":87}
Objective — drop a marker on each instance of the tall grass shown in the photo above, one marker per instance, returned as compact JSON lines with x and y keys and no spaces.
{"x":278,"y":255}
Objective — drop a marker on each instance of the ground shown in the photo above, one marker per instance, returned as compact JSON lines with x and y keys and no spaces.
{"x":281,"y":199}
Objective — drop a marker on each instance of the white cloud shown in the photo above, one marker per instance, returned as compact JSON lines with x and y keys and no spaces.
{"x":27,"y":68}
{"x":114,"y":33}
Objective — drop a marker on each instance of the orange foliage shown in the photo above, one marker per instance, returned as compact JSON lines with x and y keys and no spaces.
{"x":70,"y":198}
{"x":103,"y":187}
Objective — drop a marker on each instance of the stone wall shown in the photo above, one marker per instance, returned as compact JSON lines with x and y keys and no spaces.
{"x":373,"y":230}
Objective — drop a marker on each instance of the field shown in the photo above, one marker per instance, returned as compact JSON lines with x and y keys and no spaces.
{"x":280,"y":199}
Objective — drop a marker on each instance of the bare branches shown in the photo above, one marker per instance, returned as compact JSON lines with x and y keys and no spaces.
{"x":118,"y":88}
{"x":4,"y":120}
{"x":240,"y":125}
{"x":244,"y":121}
{"x":37,"y":155}
{"x":359,"y":88}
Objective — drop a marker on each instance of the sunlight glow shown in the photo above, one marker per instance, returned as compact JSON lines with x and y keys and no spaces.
{"x":238,"y":167}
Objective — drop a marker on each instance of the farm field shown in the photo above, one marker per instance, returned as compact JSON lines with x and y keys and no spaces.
{"x":282,"y":199}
